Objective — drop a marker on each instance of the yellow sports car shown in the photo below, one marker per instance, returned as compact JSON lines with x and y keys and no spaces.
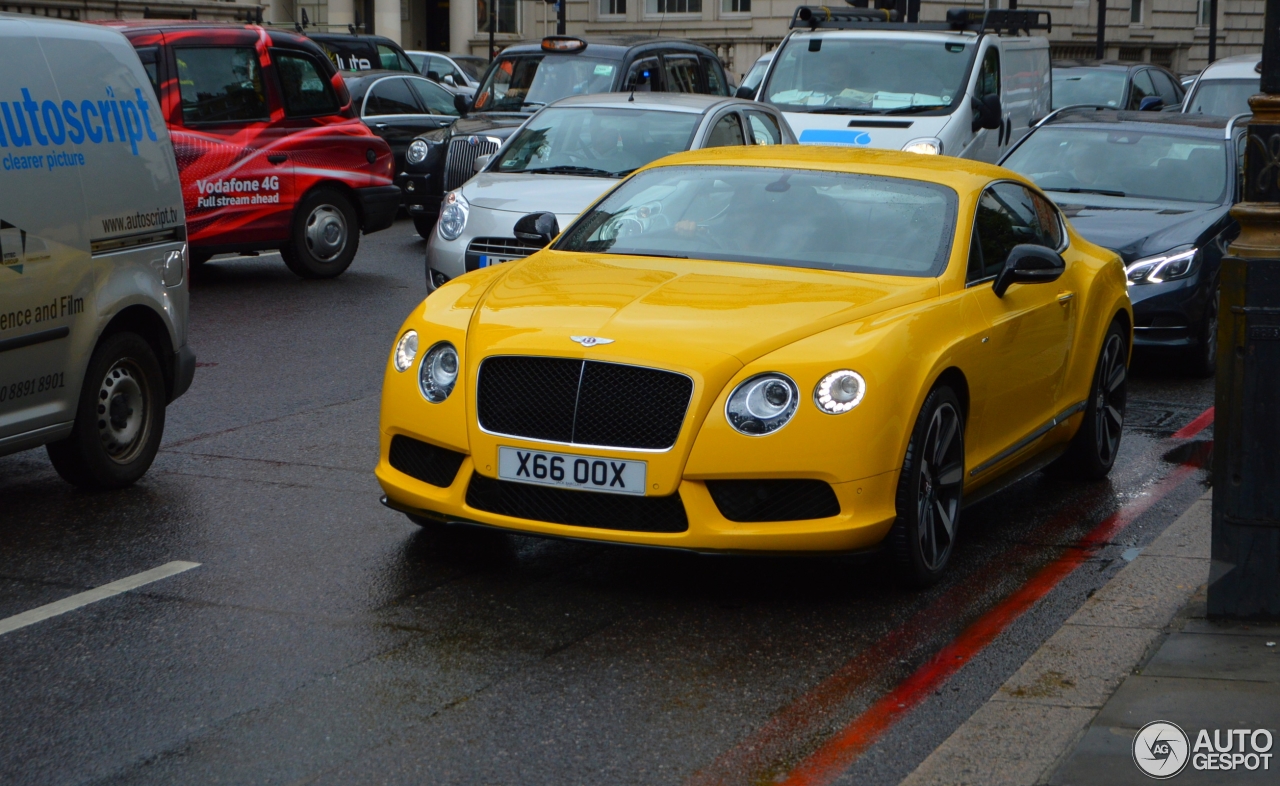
{"x":765,"y":349}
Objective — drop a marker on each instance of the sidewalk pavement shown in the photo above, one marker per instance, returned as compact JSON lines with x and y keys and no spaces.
{"x":1139,"y":650}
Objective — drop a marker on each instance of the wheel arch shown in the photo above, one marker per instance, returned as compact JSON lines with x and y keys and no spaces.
{"x":955,"y":379}
{"x":342,"y":188}
{"x":146,"y":323}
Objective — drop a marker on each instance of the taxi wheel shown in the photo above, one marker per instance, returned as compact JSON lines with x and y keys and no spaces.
{"x":326,"y":234}
{"x":929,"y":491}
{"x":1093,"y":449}
{"x":119,"y":418}
{"x":424,"y":225}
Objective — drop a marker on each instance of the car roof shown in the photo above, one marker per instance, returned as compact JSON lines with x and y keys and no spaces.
{"x":1238,"y":67}
{"x":1209,"y":126}
{"x":1107,"y":65}
{"x":279,"y":35}
{"x":381,"y":39}
{"x":614,"y":46}
{"x":672,"y":102}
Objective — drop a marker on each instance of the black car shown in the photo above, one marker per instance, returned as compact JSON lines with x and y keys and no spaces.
{"x":526,"y":77}
{"x":1158,"y":189}
{"x":398,"y":106}
{"x":351,"y":52}
{"x":1115,"y":83}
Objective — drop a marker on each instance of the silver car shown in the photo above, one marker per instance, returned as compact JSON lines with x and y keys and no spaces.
{"x":571,"y":152}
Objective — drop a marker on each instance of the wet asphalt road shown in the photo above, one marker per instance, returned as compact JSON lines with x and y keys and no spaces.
{"x":325,"y":639}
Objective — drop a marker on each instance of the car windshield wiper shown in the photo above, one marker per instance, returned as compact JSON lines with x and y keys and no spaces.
{"x":533,"y":103}
{"x":911,"y":110}
{"x":1103,"y":191}
{"x":568,"y":170}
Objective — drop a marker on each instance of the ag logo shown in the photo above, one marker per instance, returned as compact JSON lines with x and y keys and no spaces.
{"x":1160,"y":749}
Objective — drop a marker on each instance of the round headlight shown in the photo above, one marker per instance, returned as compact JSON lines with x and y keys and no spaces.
{"x":439,"y":372}
{"x":762,"y":404}
{"x":453,"y":215}
{"x":417,"y":152}
{"x":839,"y":391}
{"x":406,"y":350}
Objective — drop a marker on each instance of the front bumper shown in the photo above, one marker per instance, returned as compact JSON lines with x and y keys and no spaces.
{"x":378,"y":206}
{"x":1169,"y":315}
{"x":417,"y":195}
{"x":184,"y":371}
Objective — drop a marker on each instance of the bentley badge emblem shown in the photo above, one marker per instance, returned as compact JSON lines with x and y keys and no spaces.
{"x":591,"y":341}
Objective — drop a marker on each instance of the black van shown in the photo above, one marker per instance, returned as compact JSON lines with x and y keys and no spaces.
{"x":526,"y":77}
{"x":363,"y":52}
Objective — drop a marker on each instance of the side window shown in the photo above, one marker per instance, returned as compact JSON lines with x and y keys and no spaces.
{"x":715,"y":84}
{"x":989,"y":75}
{"x":1165,"y":87}
{"x":1142,"y":88}
{"x":727,"y":131}
{"x":643,"y":76}
{"x":149,"y":56}
{"x":391,"y":97}
{"x":305,"y":91}
{"x":220,"y":84}
{"x":392,"y":60}
{"x":436,"y":99}
{"x":1009,"y":215}
{"x":764,"y":128}
{"x":681,"y":72}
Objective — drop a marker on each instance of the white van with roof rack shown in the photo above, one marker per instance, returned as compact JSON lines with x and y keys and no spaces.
{"x":971,"y":86}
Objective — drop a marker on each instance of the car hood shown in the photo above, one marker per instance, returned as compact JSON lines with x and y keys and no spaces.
{"x":563,"y":195}
{"x":653,"y":310}
{"x":1136,"y":228}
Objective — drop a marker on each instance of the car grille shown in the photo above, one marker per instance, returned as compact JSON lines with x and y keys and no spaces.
{"x":427,"y":463}
{"x":582,"y":402}
{"x":577,"y":508}
{"x":773,"y":500}
{"x":505,"y":249}
{"x":460,"y":161}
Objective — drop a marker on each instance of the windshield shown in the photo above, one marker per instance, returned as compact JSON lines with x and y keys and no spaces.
{"x":1225,"y":97}
{"x":756,"y":74}
{"x":530,"y":81}
{"x":474,"y":66}
{"x":1124,"y":163}
{"x":1088,"y":86}
{"x":867,"y":75}
{"x":593,"y":141}
{"x":796,"y":218}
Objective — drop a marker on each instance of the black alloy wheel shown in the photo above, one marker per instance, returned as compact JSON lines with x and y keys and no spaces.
{"x":930,"y":491}
{"x":1093,"y":449}
{"x":1202,"y":360}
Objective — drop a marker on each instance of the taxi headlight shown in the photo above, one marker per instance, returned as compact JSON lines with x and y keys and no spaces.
{"x":453,"y":215}
{"x":929,"y":146}
{"x":406,"y":350}
{"x":762,"y":404}
{"x":439,"y":372}
{"x":417,"y":152}
{"x":839,"y":391}
{"x":1178,"y":263}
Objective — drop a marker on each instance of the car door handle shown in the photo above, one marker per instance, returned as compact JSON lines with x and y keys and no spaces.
{"x":1065,"y":297}
{"x":379,"y":125}
{"x":277,"y":158}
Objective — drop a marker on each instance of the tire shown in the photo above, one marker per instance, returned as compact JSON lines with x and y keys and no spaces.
{"x":325,"y":235}
{"x":1202,"y":360}
{"x":1093,"y":449}
{"x":198,"y":258}
{"x":930,"y":490}
{"x":424,"y":225}
{"x":119,"y":418}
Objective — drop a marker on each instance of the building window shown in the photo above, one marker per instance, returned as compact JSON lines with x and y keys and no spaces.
{"x":673,"y":6}
{"x":1202,"y":13}
{"x":506,"y":11}
{"x":1135,"y":12}
{"x":613,"y":7}
{"x":735,"y":6}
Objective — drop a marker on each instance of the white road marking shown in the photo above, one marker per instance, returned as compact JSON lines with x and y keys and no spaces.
{"x":10,"y":624}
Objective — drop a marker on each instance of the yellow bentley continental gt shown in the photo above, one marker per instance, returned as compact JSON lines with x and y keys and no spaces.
{"x":782,"y":349}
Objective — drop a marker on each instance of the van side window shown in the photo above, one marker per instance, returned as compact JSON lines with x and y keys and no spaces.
{"x":637,"y":79}
{"x":393,"y":60}
{"x":1009,"y":215}
{"x":715,"y":85}
{"x":681,"y":73}
{"x":149,"y":55}
{"x":306,"y":92}
{"x":989,"y":76}
{"x":220,"y":84}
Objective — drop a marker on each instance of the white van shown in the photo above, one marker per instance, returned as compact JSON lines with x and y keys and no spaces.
{"x":93,"y":258}
{"x":969,"y":87}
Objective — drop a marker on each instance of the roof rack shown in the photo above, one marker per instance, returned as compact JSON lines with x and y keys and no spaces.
{"x":999,"y":21}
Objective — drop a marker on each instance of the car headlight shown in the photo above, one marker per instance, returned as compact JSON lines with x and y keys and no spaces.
{"x":453,"y":215}
{"x":929,"y":146}
{"x":406,"y":350}
{"x":762,"y":404}
{"x":417,"y":152}
{"x":1178,"y":263}
{"x":439,"y":372}
{"x":839,"y":391}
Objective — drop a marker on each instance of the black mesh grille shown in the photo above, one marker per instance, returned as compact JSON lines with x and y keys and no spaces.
{"x":428,"y":463}
{"x":616,"y":405}
{"x":577,"y":508}
{"x":773,"y":500}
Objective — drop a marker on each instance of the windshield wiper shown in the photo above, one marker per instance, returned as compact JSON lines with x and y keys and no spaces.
{"x":1103,"y":191}
{"x":533,"y":103}
{"x":568,"y":170}
{"x":911,"y":110}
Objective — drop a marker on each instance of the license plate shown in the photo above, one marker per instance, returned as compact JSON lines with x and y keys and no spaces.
{"x":486,"y":260}
{"x":565,"y":470}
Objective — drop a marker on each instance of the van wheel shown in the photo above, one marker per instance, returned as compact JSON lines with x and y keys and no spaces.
{"x":424,"y":225}
{"x":1093,"y":449}
{"x":119,"y":418}
{"x":326,"y":234}
{"x":930,"y":488}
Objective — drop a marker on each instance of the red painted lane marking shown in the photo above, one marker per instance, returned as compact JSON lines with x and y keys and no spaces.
{"x":1201,"y":422}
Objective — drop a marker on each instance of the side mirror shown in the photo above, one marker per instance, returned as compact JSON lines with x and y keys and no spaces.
{"x":987,"y":113}
{"x":1028,"y":264}
{"x":749,"y":93}
{"x":448,"y":80}
{"x":1151,"y":104}
{"x":480,"y":163}
{"x":434,"y":76}
{"x":541,"y":228}
{"x":461,"y":104}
